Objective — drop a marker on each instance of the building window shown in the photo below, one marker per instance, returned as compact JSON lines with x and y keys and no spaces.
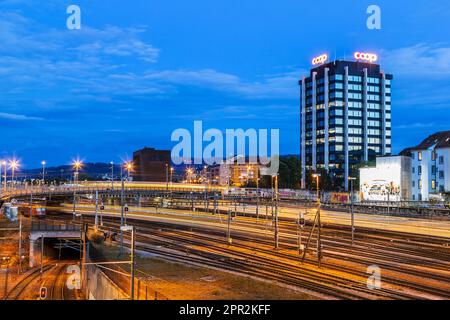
{"x":433,"y":156}
{"x":337,"y":77}
{"x":420,"y":184}
{"x":419,"y":170}
{"x":414,"y":184}
{"x":433,"y":169}
{"x":413,"y":170}
{"x":441,"y":160}
{"x":420,"y":155}
{"x":441,"y":175}
{"x":433,"y":184}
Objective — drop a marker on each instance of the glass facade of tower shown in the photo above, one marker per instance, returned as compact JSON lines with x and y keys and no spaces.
{"x":345,"y":117}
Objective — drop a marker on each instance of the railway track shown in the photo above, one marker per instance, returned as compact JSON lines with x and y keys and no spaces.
{"x":58,"y":284}
{"x":20,"y":288}
{"x":342,"y":281}
{"x":203,"y":238}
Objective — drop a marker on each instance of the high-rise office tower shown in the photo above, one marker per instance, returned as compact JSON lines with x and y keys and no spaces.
{"x":345,"y":115}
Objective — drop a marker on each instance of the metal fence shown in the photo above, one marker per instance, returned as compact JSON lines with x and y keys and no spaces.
{"x":120,"y":275}
{"x":54,"y":226}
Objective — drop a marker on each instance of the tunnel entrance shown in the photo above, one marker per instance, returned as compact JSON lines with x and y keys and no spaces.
{"x":54,"y":242}
{"x":63,"y":249}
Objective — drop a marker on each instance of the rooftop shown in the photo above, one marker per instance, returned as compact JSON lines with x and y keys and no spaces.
{"x":438,"y":140}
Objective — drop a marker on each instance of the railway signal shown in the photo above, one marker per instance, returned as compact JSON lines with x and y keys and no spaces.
{"x":302,"y":220}
{"x":43,"y":293}
{"x":102,"y":208}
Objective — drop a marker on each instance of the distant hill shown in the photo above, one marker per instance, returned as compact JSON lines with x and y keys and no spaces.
{"x":88,"y":171}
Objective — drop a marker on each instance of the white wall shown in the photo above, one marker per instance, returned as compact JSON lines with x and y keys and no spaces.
{"x":375,"y":182}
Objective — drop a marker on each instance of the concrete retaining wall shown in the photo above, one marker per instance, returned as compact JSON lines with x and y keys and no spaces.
{"x":98,"y":286}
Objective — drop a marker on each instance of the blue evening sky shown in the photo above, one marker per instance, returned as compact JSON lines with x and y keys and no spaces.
{"x":139,"y":69}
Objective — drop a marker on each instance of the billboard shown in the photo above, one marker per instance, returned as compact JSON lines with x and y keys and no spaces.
{"x":384,"y":182}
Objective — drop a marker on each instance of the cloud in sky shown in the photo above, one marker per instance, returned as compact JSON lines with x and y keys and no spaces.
{"x":12,"y":116}
{"x":107,"y":62}
{"x":116,"y":71}
{"x":419,"y":60}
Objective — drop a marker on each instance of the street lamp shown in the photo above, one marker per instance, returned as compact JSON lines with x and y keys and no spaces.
{"x":319,"y":239}
{"x":167,"y":177}
{"x":77,"y":165}
{"x":6,"y":170}
{"x":2,"y":163}
{"x":43,"y":163}
{"x":128,"y":166}
{"x":13,"y":165}
{"x":276,"y":210}
{"x":171,"y":176}
{"x":112,"y":175}
{"x":352,"y":199}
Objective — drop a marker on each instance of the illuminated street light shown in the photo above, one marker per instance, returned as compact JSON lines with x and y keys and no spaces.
{"x":13,"y":165}
{"x":77,"y":165}
{"x":129,"y":167}
{"x":43,"y":163}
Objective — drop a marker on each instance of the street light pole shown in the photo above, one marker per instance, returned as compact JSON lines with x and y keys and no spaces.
{"x":14,"y":164}
{"x":276,"y":213}
{"x":319,"y":238}
{"x":132,"y":267}
{"x":112,"y":175}
{"x":1,"y":179}
{"x":5,"y":174}
{"x":352,"y":195}
{"x":167,"y":177}
{"x":20,"y":244}
{"x":77,"y":165}
{"x":257,"y":193}
{"x":96,"y":210}
{"x":229,"y":240}
{"x":171,"y":178}
{"x":43,"y":172}
{"x":122,"y":208}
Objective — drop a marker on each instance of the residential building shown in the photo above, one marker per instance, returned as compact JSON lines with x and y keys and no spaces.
{"x":431,"y":167}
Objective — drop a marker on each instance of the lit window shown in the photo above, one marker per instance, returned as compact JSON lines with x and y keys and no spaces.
{"x":433,"y":184}
{"x":420,"y":155}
